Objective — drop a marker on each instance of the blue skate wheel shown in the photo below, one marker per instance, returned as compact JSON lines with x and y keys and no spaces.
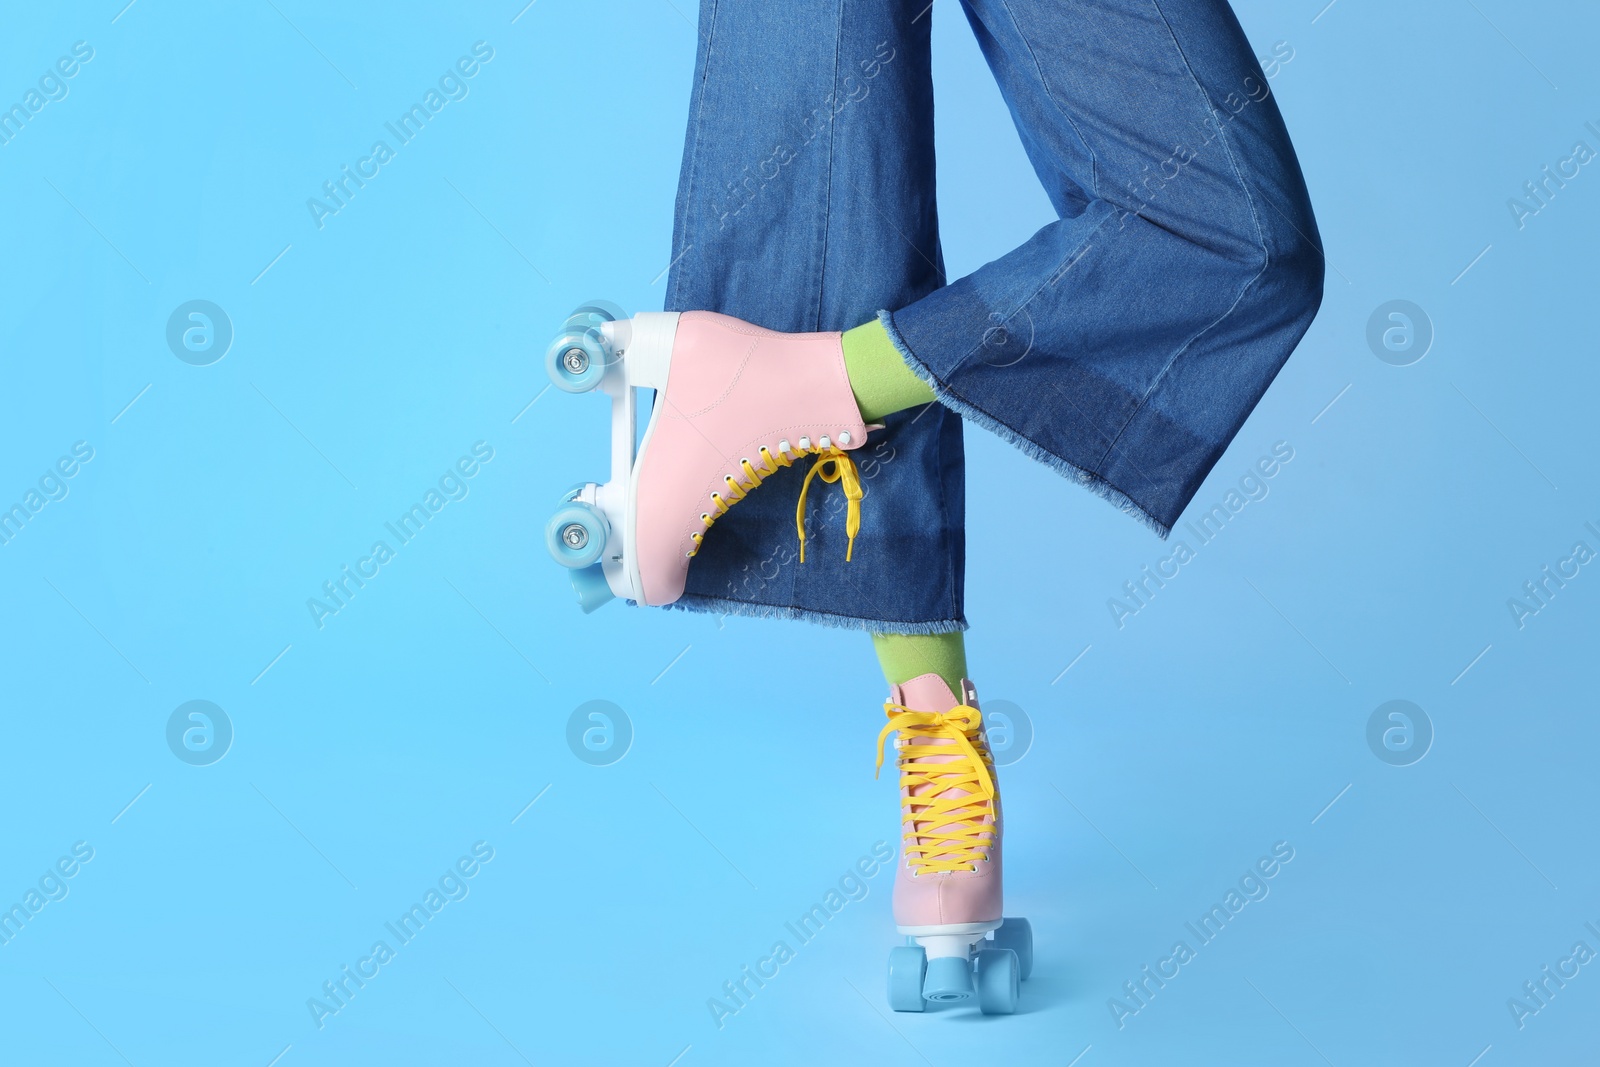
{"x":1016,"y":935}
{"x":591,"y":586}
{"x":949,"y":979}
{"x":576,"y":535}
{"x":594,"y":313}
{"x":998,"y":979}
{"x":907,"y":963}
{"x":577,"y":359}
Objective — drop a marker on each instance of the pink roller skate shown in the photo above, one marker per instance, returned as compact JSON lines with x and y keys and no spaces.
{"x":734,"y":403}
{"x":947,"y":890}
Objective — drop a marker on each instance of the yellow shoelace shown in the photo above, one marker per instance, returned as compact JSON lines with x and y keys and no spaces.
{"x":839,"y":468}
{"x":962,"y":836}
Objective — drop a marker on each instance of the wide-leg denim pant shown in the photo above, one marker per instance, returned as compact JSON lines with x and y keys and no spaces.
{"x":1123,"y":344}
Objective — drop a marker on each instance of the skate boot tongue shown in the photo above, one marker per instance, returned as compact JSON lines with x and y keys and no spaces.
{"x":948,"y":815}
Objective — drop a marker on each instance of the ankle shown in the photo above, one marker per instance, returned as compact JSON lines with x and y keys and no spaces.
{"x":879,"y":377}
{"x":906,"y":656}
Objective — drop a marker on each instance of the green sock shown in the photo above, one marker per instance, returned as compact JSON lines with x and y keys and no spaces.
{"x":879,"y":377}
{"x":905,"y":656}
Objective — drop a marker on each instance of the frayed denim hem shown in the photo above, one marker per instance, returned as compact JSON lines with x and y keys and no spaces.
{"x":1088,"y":479}
{"x":718,"y":606}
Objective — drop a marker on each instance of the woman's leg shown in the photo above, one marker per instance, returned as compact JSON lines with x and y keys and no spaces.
{"x":806,"y":203}
{"x":905,"y":656}
{"x":1125,"y":343}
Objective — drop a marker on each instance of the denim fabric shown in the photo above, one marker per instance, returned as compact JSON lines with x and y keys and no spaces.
{"x":1124,"y":344}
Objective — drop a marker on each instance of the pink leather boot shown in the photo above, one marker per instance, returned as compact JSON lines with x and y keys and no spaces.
{"x":947,"y":889}
{"x":948,"y":882}
{"x":734,"y":404}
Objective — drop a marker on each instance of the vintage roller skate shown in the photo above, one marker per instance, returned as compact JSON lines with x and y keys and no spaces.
{"x":734,"y":403}
{"x":947,"y":890}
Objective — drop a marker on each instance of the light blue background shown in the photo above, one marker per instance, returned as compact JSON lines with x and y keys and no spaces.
{"x":425,"y":716}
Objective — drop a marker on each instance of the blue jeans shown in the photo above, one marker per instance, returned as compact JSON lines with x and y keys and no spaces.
{"x":1123,"y":344}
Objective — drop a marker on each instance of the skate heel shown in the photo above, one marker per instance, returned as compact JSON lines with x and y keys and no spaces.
{"x":596,"y":351}
{"x":643,"y":347}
